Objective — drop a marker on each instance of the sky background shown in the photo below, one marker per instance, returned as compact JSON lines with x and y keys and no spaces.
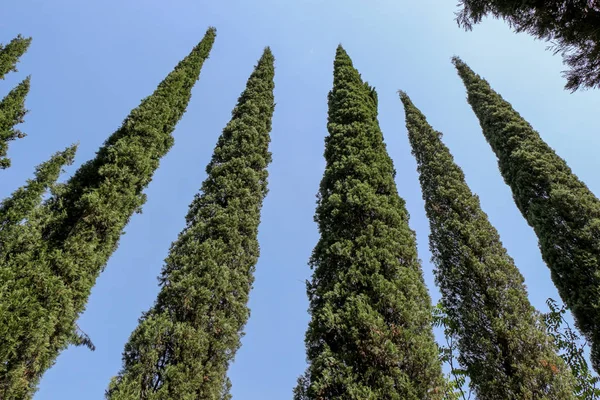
{"x":93,"y":61}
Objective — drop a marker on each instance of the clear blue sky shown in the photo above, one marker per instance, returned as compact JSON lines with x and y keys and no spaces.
{"x":93,"y":61}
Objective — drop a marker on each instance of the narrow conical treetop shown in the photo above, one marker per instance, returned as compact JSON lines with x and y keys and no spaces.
{"x":24,"y":200}
{"x":564,"y":213}
{"x":11,"y":53}
{"x":82,"y":224}
{"x":370,"y":336}
{"x":503,"y":347}
{"x":12,"y":111}
{"x":184,"y":344}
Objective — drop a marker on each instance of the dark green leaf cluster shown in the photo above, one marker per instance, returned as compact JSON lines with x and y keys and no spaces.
{"x":571,"y":26}
{"x":12,"y":107}
{"x":370,"y":336}
{"x":564,"y":213}
{"x":184,"y":344}
{"x":12,"y":112}
{"x":572,"y":350}
{"x":503,"y":347}
{"x":47,"y":278}
{"x":21,"y":220}
{"x":11,"y":53}
{"x":18,"y":207}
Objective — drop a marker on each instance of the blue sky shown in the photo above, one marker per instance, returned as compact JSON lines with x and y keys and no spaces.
{"x":93,"y":61}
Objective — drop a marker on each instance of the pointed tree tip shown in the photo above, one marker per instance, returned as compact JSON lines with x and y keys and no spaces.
{"x":341,"y":53}
{"x":340,"y":50}
{"x":267,"y":56}
{"x":267,"y":51}
{"x":457,"y":61}
{"x":74,"y":146}
{"x":69,"y":153}
{"x":69,"y":150}
{"x":406,"y":101}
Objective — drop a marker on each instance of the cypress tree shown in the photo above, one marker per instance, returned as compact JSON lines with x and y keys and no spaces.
{"x":571,"y":26}
{"x":11,"y":53}
{"x":505,"y":350}
{"x":370,"y":336}
{"x":12,"y":111}
{"x":24,"y":200}
{"x":46,"y":285}
{"x":184,"y":344}
{"x":563,"y":212}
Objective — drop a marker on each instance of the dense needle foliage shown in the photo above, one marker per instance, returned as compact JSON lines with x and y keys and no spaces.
{"x":12,"y":111}
{"x":570,"y":25}
{"x":184,"y":344}
{"x":46,"y":281}
{"x":12,"y":107}
{"x":11,"y":53}
{"x":563,"y":212}
{"x":17,"y":208}
{"x":503,"y":346}
{"x":370,"y":337}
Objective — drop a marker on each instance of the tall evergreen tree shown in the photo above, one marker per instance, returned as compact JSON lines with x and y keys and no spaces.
{"x":184,"y":344}
{"x":571,"y":26}
{"x":504,"y":347}
{"x":12,"y":111}
{"x":11,"y":53}
{"x":46,"y":284}
{"x":370,"y":336}
{"x":564,"y":213}
{"x":23,"y":201}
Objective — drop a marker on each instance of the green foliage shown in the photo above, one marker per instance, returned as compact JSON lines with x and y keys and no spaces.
{"x":570,"y":25}
{"x":572,"y":350}
{"x":184,"y":344}
{"x":370,"y":336}
{"x":12,"y":107}
{"x":12,"y":112}
{"x":11,"y":53}
{"x":564,"y":213}
{"x":457,"y":377}
{"x":46,"y":280}
{"x":19,"y":206}
{"x":502,"y":346}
